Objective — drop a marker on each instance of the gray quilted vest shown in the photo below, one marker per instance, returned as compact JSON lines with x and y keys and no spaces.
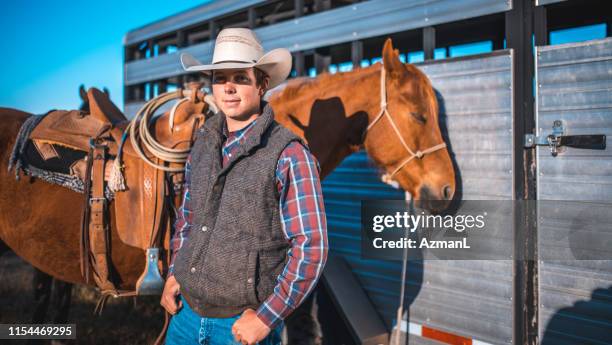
{"x":236,"y":248}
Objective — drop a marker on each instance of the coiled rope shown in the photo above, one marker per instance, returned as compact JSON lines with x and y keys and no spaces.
{"x":140,"y":136}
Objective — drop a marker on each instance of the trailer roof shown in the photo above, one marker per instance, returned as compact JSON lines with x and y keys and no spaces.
{"x":186,"y":18}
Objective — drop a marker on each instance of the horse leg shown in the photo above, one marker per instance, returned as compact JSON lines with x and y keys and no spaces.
{"x":42,"y":295}
{"x":62,"y":295}
{"x":48,"y":290}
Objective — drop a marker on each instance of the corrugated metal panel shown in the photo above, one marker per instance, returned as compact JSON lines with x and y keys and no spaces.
{"x":348,"y":23}
{"x":575,"y":85}
{"x":476,"y":102}
{"x":475,"y":98}
{"x":186,"y":18}
{"x":164,"y":66}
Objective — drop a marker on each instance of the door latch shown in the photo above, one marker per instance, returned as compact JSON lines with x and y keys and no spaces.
{"x":557,"y":140}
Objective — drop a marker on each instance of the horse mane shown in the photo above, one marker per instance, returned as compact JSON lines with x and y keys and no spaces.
{"x":298,"y":87}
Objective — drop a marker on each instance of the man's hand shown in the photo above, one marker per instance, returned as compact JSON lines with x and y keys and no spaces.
{"x":249,"y":329}
{"x":169,"y":296}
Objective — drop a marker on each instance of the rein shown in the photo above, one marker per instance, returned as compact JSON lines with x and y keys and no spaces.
{"x":383,"y":111}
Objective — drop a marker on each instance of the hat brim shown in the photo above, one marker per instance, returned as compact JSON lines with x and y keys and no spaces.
{"x":275,"y":63}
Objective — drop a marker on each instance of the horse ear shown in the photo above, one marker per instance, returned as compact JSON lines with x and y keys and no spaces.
{"x":391,"y":61}
{"x":106,"y":91}
{"x":82,"y":92}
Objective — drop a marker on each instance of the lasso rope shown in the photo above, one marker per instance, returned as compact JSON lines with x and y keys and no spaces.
{"x":140,"y":136}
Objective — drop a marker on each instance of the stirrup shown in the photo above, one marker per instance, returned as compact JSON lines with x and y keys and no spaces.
{"x":151,"y":281}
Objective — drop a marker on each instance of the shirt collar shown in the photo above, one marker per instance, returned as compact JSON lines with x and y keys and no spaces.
{"x":242,"y":132}
{"x":214,"y":127}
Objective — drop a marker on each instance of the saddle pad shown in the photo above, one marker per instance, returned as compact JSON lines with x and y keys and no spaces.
{"x":52,"y":158}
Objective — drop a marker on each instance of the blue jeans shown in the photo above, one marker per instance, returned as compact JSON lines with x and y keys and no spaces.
{"x":187,"y":327}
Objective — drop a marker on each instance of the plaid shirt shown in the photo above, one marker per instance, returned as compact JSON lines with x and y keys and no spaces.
{"x":303,"y":219}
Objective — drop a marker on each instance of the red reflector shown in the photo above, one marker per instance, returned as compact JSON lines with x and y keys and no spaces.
{"x":444,"y":337}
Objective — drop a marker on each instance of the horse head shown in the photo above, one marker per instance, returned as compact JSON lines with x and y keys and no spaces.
{"x":403,"y":135}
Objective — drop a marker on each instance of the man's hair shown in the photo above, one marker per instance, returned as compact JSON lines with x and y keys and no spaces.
{"x":259,"y":76}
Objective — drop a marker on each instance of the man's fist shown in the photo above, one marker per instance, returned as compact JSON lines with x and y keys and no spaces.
{"x":249,"y":329}
{"x":169,"y":296}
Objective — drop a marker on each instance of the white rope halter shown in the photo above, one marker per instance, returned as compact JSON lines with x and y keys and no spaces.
{"x":388,"y":178}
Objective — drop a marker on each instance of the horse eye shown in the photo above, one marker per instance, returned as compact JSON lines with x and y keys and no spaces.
{"x":419,"y":117}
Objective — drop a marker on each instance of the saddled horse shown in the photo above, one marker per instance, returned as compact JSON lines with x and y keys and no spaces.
{"x":47,"y":290}
{"x":390,"y":110}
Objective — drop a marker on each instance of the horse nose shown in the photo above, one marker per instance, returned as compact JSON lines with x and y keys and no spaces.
{"x":447,"y":192}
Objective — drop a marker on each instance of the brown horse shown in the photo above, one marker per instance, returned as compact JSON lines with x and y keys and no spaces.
{"x":41,"y":221}
{"x":47,"y":289}
{"x":334,"y":121}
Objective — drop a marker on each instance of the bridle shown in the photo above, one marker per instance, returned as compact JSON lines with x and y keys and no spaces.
{"x":383,"y":110}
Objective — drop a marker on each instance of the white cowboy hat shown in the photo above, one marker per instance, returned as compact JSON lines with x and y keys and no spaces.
{"x":240,"y":48}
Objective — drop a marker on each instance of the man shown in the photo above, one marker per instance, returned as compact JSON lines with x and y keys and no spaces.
{"x":252,"y":208}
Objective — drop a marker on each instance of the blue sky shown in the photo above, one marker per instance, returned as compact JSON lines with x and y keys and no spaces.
{"x":50,"y":47}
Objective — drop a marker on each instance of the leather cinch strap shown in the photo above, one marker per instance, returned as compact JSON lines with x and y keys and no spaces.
{"x":98,"y":232}
{"x":84,"y":239}
{"x":95,"y":232}
{"x":99,"y":235}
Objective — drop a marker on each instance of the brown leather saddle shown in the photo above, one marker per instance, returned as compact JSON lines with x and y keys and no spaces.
{"x":141,"y":210}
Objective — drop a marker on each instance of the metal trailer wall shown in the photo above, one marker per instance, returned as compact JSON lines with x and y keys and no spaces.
{"x":547,"y":2}
{"x":187,"y":18}
{"x":467,"y":298}
{"x":345,"y":24}
{"x":574,"y":84}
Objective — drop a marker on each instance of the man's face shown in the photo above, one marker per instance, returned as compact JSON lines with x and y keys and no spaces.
{"x":235,"y":92}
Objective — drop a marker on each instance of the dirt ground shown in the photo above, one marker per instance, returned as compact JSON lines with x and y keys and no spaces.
{"x":123,"y":321}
